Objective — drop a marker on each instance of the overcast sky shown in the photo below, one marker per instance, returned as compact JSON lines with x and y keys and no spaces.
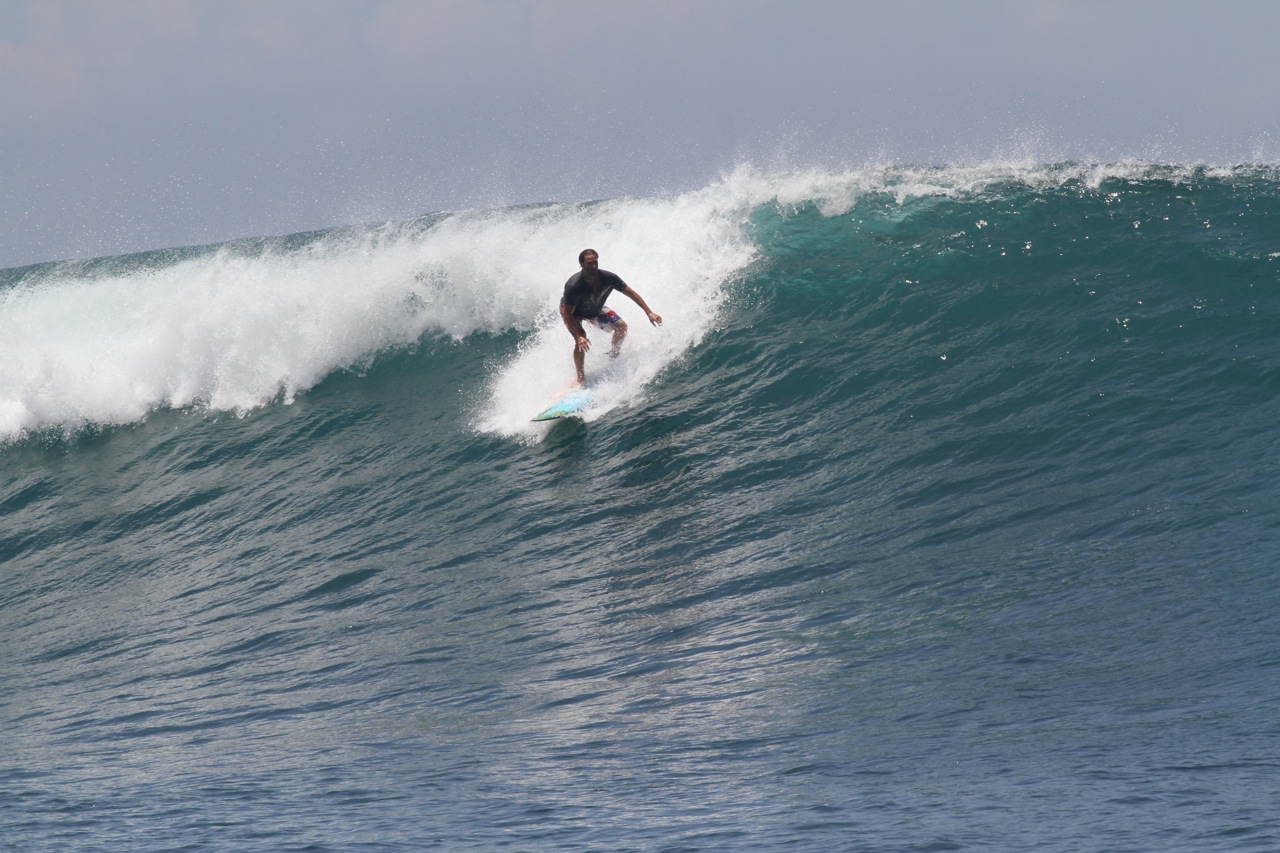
{"x":135,"y":124}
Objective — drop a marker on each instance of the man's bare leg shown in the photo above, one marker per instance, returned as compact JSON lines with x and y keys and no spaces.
{"x":619,"y":335}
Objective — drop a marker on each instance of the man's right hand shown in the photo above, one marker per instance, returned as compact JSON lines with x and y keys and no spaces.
{"x":582,"y":343}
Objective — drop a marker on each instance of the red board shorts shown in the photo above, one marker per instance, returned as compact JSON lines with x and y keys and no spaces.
{"x":606,"y":319}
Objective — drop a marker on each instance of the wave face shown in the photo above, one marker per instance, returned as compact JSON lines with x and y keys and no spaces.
{"x":938,"y":514}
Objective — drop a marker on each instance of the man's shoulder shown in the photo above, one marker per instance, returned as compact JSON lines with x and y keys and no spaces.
{"x":612,"y":278}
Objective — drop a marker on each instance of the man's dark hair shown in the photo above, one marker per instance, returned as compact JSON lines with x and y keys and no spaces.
{"x":582,"y":256}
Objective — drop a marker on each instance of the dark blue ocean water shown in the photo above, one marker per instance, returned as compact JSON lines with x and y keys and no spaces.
{"x":940,"y":514}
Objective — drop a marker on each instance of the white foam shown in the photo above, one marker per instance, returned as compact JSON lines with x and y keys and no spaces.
{"x":234,"y":329}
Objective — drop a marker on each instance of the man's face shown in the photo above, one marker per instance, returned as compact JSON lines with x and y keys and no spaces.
{"x":591,"y":262}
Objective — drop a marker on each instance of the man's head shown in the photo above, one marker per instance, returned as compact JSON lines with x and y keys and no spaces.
{"x":589,"y":258}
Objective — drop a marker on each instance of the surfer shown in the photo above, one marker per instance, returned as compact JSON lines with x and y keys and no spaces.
{"x":584,"y":296}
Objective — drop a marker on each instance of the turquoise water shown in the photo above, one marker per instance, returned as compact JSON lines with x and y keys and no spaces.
{"x":938,"y":515}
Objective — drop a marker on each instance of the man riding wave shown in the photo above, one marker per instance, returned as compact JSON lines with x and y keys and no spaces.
{"x":584,"y":301}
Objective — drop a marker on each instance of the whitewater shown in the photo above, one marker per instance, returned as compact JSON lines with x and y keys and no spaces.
{"x":938,"y":514}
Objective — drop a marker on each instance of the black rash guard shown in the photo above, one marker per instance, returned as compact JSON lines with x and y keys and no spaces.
{"x":586,"y":301}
